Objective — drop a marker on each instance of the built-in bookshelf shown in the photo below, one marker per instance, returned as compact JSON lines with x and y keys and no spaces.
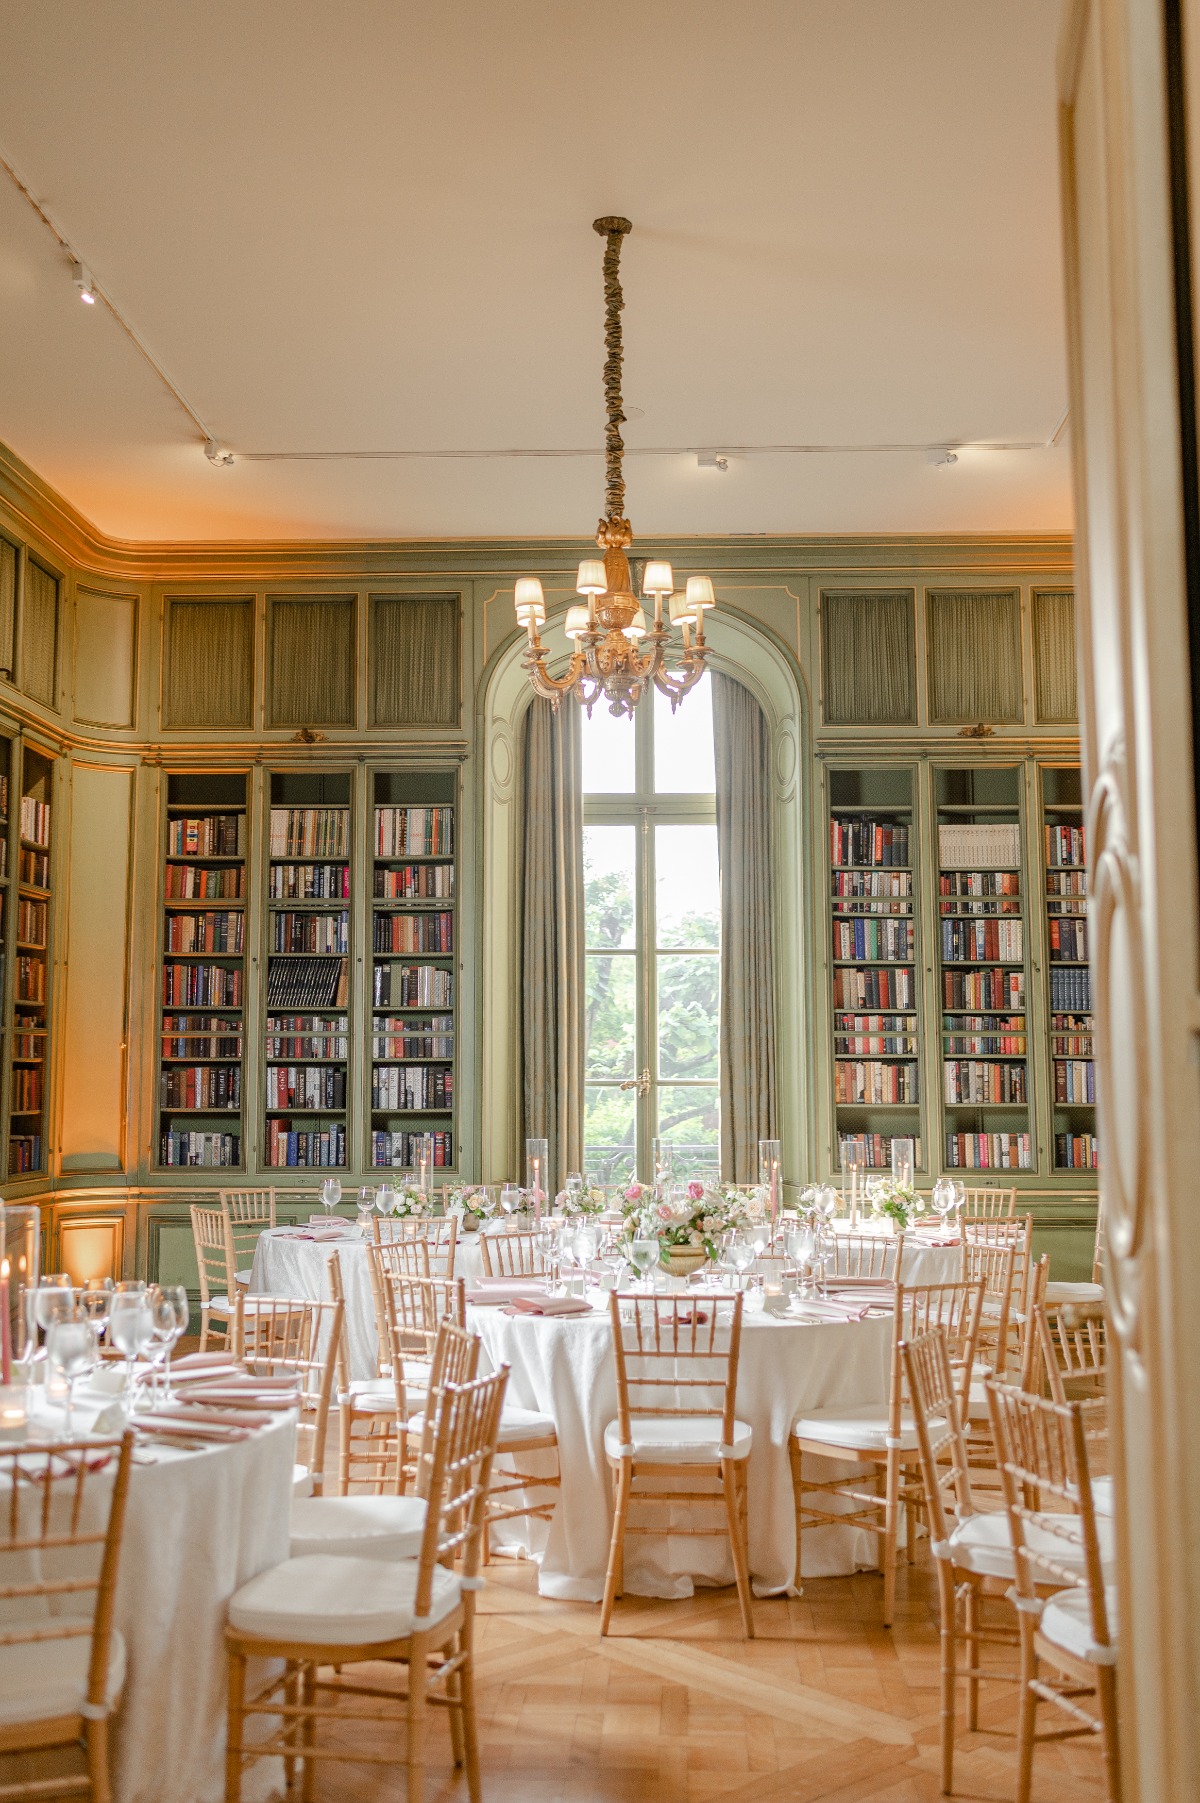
{"x":414,"y":998}
{"x":1069,"y":988}
{"x":31,"y":963}
{"x":983,"y":968}
{"x":203,"y":993}
{"x":306,"y":1045}
{"x":875,"y":986}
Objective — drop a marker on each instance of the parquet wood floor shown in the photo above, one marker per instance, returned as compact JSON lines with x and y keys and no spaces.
{"x":675,"y":1707}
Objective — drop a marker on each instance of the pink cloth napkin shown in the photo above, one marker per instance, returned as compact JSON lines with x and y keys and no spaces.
{"x":817,"y":1310}
{"x":493,"y":1292}
{"x":549,"y":1305}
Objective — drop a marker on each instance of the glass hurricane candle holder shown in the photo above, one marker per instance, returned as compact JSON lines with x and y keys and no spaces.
{"x":769,"y":1174}
{"x":20,"y":1239}
{"x":537,"y":1168}
{"x":903,"y":1160}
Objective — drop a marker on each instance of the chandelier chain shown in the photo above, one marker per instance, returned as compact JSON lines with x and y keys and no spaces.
{"x":614,"y":301}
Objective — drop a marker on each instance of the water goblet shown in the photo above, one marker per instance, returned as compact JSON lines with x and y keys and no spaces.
{"x":72,"y":1349}
{"x":587,"y":1244}
{"x":742,"y":1254}
{"x":95,"y":1298}
{"x":644,"y":1257}
{"x":942,"y":1197}
{"x":331,"y":1194}
{"x":131,"y":1331}
{"x":547,"y":1245}
{"x":801,"y":1245}
{"x":386,"y":1200}
{"x":510,"y":1198}
{"x":169,"y":1313}
{"x":366,"y":1208}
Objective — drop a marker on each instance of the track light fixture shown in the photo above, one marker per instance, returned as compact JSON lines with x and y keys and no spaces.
{"x":217,"y":454}
{"x":83,"y":281}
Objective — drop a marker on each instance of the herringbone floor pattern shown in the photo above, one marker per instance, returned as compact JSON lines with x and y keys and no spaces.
{"x":676,"y":1708}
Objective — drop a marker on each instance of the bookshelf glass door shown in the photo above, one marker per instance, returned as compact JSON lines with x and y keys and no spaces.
{"x":874,"y":959}
{"x":31,"y":970}
{"x":414,"y":973}
{"x":985,"y":1052}
{"x":201,"y":1065}
{"x":307,"y":1031}
{"x":1072,"y":1078}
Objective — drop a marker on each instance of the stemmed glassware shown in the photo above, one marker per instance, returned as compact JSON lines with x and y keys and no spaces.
{"x":548,"y":1246}
{"x":366,"y":1208}
{"x":331,"y":1194}
{"x":169,"y":1313}
{"x":386,"y":1199}
{"x":574,"y":1188}
{"x":131,"y":1330}
{"x":644,"y":1257}
{"x":94,"y":1297}
{"x":742,"y":1253}
{"x":510,"y":1198}
{"x":801,"y":1249}
{"x":72,"y":1350}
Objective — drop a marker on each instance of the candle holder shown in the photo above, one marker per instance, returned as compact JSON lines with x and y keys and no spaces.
{"x":664,"y":1167}
{"x":537,"y":1173}
{"x":425,"y":1164}
{"x":850,"y":1151}
{"x":14,"y":1411}
{"x":770,"y":1174}
{"x":20,"y":1240}
{"x":903,"y":1160}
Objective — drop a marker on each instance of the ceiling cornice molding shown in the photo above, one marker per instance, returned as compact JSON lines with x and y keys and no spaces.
{"x":47,"y":516}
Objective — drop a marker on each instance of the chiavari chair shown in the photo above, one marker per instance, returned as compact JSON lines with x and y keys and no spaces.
{"x":437,"y":1240}
{"x":62,"y":1662}
{"x":1084,"y":1291}
{"x":278,"y":1335}
{"x":1073,"y":1342}
{"x":870,"y":1255}
{"x":883,"y":1435}
{"x":249,"y":1212}
{"x":1030,"y":1347}
{"x":990,"y":1204}
{"x":677,"y":1364}
{"x":1018,"y":1233}
{"x":322,"y":1611}
{"x":215,"y":1264}
{"x":512,"y":1254}
{"x":1060,"y":1545}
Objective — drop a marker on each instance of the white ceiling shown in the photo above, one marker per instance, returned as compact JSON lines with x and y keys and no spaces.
{"x":366,"y":227}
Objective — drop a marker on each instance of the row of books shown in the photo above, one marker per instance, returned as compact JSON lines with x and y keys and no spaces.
{"x":983,"y":906}
{"x":402,"y":1151}
{"x":413,"y":1039}
{"x":216,"y":1086}
{"x":865,"y":1082}
{"x":208,"y":1149}
{"x":888,"y":939}
{"x":974,"y":1045}
{"x":1002,"y":990}
{"x":1071,"y":1035}
{"x":35,"y":820}
{"x":27,"y":1045}
{"x":324,"y":1147}
{"x":309,"y":832}
{"x":3,"y":855}
{"x":26,"y":1089}
{"x":310,"y":932}
{"x":979,"y":882}
{"x":989,"y":1152}
{"x":867,"y":841}
{"x":874,"y":989}
{"x":1076,"y":1152}
{"x":24,"y":1153}
{"x":201,"y":882}
{"x":1065,"y":845}
{"x":871,"y":1150}
{"x":311,"y":1086}
{"x":31,"y":978}
{"x":1068,"y":940}
{"x":984,"y":847}
{"x":983,"y":941}
{"x":415,"y":882}
{"x":34,"y":868}
{"x":206,"y":836}
{"x":897,"y":883}
{"x":972,"y":1081}
{"x":308,"y":983}
{"x":33,"y":920}
{"x":200,"y":1036}
{"x":426,"y":932}
{"x":415,"y":832}
{"x":407,"y":1088}
{"x":217,"y":932}
{"x":202,"y":986}
{"x":308,"y":882}
{"x":3,"y":797}
{"x":412,"y":986}
{"x":878,"y":1033}
{"x":306,"y":1036}
{"x":1071,"y":990}
{"x":1066,"y":882}
{"x":1075,"y":1081}
{"x":885,"y":907}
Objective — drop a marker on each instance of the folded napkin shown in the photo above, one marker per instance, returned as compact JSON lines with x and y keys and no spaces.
{"x":203,"y":1361}
{"x":184,"y":1427}
{"x":549,"y":1305}
{"x":817,"y":1310}
{"x":238,"y":1397}
{"x":490,"y":1292}
{"x":321,"y":1233}
{"x":838,"y":1284}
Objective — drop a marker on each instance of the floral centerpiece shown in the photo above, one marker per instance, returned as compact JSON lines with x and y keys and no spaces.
{"x":890,"y":1200}
{"x":689,"y":1228}
{"x":410,"y":1202}
{"x":573,"y":1203}
{"x":470,"y":1203}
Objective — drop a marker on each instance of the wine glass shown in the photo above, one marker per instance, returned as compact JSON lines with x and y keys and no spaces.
{"x":95,"y":1298}
{"x":510,"y":1198}
{"x":130,"y":1330}
{"x":386,"y":1199}
{"x":53,"y":1299}
{"x":72,"y":1349}
{"x":574,"y":1189}
{"x":586,"y":1246}
{"x":331,"y":1194}
{"x":366,"y":1208}
{"x":169,"y":1312}
{"x":942,"y":1197}
{"x":644,"y":1256}
{"x":547,"y":1245}
{"x":801,"y":1245}
{"x":742,"y":1253}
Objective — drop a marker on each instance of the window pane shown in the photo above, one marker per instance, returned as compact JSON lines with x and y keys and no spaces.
{"x":609,"y":1134}
{"x":688,"y":1021}
{"x":608,"y":756}
{"x":691,"y":1120}
{"x":683,"y":743}
{"x":689,"y":885}
{"x":609,"y":876}
{"x":611,"y":1036}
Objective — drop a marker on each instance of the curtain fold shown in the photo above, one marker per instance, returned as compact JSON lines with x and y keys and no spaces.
{"x":552,"y":934}
{"x":744,"y":806}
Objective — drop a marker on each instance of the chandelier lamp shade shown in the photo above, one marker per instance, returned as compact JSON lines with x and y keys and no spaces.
{"x":618,"y":655}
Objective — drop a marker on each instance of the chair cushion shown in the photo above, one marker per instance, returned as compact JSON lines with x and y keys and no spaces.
{"x":1067,"y":1621}
{"x":369,"y":1396}
{"x":323,"y":1600}
{"x":1074,"y":1292}
{"x":363,"y":1527}
{"x":302,"y":1481}
{"x":516,"y":1425}
{"x":221,"y":1305}
{"x":1103,"y":1501}
{"x":866,"y":1427}
{"x":981,"y":1543}
{"x":677,"y":1439}
{"x":45,"y":1678}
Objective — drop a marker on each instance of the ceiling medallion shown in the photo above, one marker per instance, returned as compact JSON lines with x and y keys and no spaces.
{"x":616,"y":656}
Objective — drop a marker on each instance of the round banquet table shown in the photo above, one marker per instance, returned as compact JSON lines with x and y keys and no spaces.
{"x":197,"y":1526}
{"x":564,"y":1367}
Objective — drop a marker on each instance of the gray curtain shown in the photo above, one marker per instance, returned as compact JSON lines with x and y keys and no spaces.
{"x":552,"y":934}
{"x":748,"y":1100}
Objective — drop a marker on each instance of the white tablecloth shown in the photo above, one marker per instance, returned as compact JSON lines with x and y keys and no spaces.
{"x":564,"y":1367}
{"x":197,"y":1526}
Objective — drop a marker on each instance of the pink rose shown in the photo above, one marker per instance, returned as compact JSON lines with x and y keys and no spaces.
{"x":634,"y":1193}
{"x":695,"y":1192}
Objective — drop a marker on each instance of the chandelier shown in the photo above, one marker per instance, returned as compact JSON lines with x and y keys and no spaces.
{"x":616,"y":654}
